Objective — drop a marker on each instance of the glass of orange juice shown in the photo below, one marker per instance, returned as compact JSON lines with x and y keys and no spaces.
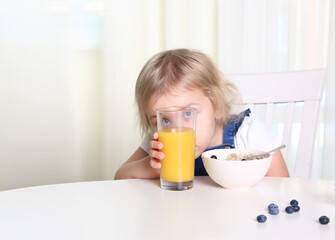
{"x":176,"y":130}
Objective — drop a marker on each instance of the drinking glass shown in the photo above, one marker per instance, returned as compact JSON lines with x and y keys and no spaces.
{"x":176,"y":130}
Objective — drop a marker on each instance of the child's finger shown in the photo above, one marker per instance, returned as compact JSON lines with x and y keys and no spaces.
{"x":155,"y":145}
{"x":156,"y":154}
{"x":154,"y":163}
{"x":155,"y":136}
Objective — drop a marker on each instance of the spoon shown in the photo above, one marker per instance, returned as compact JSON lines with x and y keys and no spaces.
{"x":265,"y":153}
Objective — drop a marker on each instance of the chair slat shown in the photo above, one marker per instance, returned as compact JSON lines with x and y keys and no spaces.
{"x":287,"y":127}
{"x":269,"y":115}
{"x":310,"y":115}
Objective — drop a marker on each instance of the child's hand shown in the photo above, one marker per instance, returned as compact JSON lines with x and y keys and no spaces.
{"x":155,"y":155}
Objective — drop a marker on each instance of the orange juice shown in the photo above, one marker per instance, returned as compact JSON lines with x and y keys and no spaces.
{"x":178,"y":148}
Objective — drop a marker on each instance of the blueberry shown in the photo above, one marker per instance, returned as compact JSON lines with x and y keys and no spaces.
{"x":296,"y":208}
{"x":214,"y":157}
{"x":274,"y":211}
{"x":272,"y":206}
{"x":261,"y":218}
{"x":324,"y":220}
{"x":289,"y":209}
{"x":294,"y":202}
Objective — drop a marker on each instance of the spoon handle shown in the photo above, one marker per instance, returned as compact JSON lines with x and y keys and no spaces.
{"x":262,"y":154}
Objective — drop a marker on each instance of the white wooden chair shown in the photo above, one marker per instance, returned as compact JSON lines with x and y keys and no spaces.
{"x":286,"y":92}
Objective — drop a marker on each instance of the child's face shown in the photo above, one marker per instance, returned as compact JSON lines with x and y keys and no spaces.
{"x":208,"y":133}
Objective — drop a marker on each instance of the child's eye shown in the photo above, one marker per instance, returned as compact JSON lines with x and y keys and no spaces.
{"x":187,"y":114}
{"x":165,"y":121}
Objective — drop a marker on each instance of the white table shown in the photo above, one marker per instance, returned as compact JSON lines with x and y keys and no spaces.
{"x":139,"y":209}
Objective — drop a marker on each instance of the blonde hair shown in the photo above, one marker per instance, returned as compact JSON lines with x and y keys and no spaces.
{"x":186,"y":69}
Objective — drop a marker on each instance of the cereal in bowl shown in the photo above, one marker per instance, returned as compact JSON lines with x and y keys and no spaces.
{"x":241,"y":157}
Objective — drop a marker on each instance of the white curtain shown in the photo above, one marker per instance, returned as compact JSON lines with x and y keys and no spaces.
{"x":327,"y":169}
{"x":68,"y":70}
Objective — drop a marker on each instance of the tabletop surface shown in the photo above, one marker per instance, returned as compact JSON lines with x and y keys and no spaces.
{"x":140,"y":209}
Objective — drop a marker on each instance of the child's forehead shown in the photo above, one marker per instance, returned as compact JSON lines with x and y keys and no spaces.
{"x":176,"y":98}
{"x":184,"y":93}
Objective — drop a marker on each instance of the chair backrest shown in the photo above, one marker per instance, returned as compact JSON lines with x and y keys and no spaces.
{"x":286,"y":92}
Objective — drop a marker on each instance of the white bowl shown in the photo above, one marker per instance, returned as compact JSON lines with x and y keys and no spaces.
{"x":234,"y":174}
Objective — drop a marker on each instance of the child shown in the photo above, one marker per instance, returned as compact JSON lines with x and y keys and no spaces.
{"x":188,"y":78}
